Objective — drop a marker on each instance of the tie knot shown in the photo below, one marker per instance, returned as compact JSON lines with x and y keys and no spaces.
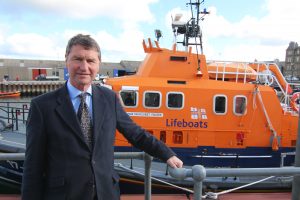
{"x":82,"y":96}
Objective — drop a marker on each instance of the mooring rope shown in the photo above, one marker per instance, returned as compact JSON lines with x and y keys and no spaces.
{"x":213,"y":195}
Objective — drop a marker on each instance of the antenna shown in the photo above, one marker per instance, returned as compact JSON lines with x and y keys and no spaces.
{"x":158,"y":34}
{"x":191,"y":28}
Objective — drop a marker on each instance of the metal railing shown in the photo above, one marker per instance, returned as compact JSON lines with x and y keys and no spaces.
{"x":245,"y":74}
{"x":117,"y":155}
{"x":14,"y":113}
{"x":198,"y":173}
{"x":147,"y":161}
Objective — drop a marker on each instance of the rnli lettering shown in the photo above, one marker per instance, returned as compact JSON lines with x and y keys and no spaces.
{"x":144,"y":114}
{"x":183,"y":123}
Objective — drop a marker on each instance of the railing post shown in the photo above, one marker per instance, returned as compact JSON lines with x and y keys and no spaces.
{"x":12,"y":119}
{"x":24,"y":106}
{"x":17,"y":111}
{"x":198,"y":174}
{"x":296,"y":180}
{"x":7,"y":106}
{"x":147,"y":186}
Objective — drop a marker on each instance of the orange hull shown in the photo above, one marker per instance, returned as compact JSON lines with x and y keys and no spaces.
{"x":219,"y":116}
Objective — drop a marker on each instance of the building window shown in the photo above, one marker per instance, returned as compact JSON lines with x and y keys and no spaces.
{"x":129,"y":98}
{"x":175,"y":100}
{"x":152,"y":99}
{"x":22,"y":64}
{"x":177,"y":137}
{"x":55,"y":73}
{"x":240,"y":105}
{"x":220,"y":104}
{"x":163,"y":136}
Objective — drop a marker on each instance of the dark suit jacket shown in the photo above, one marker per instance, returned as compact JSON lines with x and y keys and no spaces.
{"x":60,"y":165}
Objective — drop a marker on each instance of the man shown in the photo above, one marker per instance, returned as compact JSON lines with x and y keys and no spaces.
{"x":70,"y":156}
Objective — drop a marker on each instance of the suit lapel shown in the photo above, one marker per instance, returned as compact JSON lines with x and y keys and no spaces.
{"x":66,"y":111}
{"x":98,"y":112}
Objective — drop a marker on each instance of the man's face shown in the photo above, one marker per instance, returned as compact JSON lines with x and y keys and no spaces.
{"x":83,"y":65}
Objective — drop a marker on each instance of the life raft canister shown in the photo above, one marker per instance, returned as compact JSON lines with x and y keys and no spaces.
{"x":294,"y":103}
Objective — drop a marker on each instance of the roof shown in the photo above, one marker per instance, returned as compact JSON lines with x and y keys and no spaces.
{"x":130,"y":65}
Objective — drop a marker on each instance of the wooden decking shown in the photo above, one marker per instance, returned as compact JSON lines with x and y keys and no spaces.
{"x":233,"y":196}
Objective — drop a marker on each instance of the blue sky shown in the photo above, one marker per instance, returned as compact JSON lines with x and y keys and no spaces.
{"x":234,"y":30}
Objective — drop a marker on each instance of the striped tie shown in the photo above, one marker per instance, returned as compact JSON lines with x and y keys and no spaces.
{"x":85,"y":120}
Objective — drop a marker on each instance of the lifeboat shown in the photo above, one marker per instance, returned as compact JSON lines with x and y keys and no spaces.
{"x":10,"y":94}
{"x":212,"y":113}
{"x":231,"y":71}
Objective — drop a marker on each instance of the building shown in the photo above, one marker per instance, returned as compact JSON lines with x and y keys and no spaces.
{"x":292,"y":60}
{"x":27,"y":70}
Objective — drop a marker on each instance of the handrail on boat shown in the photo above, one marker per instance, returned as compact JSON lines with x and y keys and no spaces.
{"x":255,"y":73}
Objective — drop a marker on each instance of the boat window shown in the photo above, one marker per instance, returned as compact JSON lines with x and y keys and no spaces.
{"x":150,"y":131}
{"x":220,"y":104}
{"x":129,"y":98}
{"x":240,"y":105}
{"x":163,"y":136}
{"x":175,"y":100}
{"x":177,"y":137}
{"x":152,"y":99}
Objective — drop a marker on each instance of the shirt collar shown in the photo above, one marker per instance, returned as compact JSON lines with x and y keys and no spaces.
{"x":74,"y":92}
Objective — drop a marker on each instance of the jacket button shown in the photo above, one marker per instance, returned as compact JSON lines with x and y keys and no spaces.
{"x":93,"y":162}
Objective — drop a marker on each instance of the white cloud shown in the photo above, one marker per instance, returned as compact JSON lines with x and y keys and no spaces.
{"x":252,"y":37}
{"x":265,"y":38}
{"x":250,"y":53}
{"x":3,"y":28}
{"x":1,"y":39}
{"x":31,"y":44}
{"x":283,"y":19}
{"x":280,"y":21}
{"x":132,"y":10}
{"x":126,"y":44}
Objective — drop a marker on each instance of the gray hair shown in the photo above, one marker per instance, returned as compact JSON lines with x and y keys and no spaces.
{"x":84,"y":40}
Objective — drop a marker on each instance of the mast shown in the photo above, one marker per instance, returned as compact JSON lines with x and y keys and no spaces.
{"x":190,"y":29}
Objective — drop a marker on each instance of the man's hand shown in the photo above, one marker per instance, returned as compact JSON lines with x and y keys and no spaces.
{"x":174,"y":162}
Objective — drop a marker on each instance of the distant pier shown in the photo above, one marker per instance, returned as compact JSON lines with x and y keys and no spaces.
{"x":28,"y":88}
